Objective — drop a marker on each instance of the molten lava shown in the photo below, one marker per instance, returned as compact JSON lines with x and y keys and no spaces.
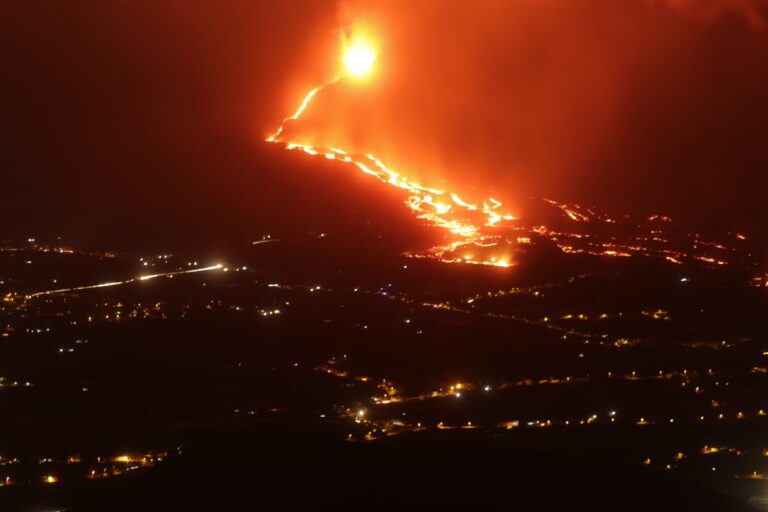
{"x":465,"y":221}
{"x":480,"y":232}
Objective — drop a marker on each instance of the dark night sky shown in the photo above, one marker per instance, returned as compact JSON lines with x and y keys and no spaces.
{"x":150,"y":112}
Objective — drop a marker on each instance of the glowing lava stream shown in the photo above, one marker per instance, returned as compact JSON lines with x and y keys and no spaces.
{"x":439,"y":208}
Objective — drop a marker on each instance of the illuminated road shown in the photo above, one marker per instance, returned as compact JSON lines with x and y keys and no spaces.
{"x":108,"y":284}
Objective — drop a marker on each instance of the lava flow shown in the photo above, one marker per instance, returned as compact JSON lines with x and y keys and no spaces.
{"x":482,"y":234}
{"x":466,"y":222}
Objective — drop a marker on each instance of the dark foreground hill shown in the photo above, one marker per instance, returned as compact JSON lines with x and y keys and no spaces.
{"x":272,"y":466}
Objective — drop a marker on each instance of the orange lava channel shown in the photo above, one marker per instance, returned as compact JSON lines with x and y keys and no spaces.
{"x":438,"y":208}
